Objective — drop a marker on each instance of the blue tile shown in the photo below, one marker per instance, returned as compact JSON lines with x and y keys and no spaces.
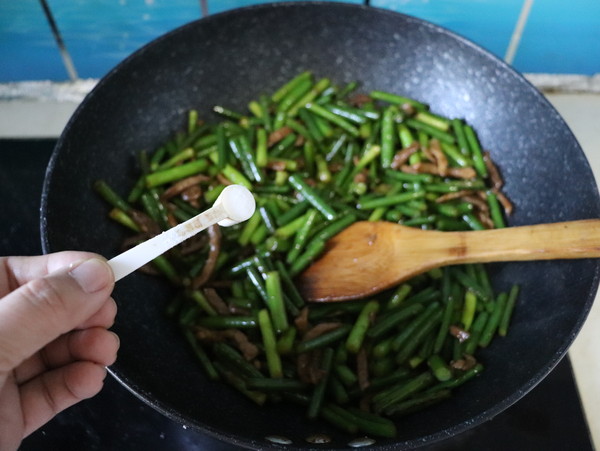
{"x":217,"y":6}
{"x":27,"y":48}
{"x":101,"y":33}
{"x":488,"y":23}
{"x":561,"y":37}
{"x":98,"y":33}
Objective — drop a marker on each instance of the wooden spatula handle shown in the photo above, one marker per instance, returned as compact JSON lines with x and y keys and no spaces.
{"x":572,"y":239}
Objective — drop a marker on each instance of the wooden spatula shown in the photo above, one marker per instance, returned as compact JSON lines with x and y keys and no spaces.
{"x":369,"y":257}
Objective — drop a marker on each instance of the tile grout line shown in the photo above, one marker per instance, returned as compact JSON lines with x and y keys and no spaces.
{"x":62,"y":48}
{"x":515,"y":39}
{"x":203,"y":8}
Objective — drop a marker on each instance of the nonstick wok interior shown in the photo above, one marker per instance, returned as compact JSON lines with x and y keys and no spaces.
{"x":231,"y":58}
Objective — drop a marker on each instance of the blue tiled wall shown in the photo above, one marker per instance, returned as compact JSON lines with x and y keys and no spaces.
{"x":559,"y":37}
{"x":489,"y":23}
{"x":564,"y":35}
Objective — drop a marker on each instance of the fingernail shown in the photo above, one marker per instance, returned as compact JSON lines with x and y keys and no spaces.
{"x":117,"y":339}
{"x":92,"y":275}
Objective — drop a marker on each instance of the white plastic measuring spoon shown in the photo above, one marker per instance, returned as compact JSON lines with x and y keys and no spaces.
{"x":235,"y":204}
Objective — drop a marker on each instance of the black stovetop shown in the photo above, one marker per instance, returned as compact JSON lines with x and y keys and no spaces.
{"x":549,"y":418}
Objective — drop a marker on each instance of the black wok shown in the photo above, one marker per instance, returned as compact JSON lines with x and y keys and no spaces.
{"x":233,"y":57}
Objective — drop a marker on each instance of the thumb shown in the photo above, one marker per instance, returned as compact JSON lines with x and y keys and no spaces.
{"x":44,"y":308}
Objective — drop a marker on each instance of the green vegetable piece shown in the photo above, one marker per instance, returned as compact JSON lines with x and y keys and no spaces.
{"x":463,"y":146}
{"x":417,"y":338}
{"x":205,"y":361}
{"x":361,"y":326}
{"x":434,"y":120}
{"x":386,"y":399}
{"x":294,"y":96}
{"x":291,"y":228}
{"x":323,"y":340}
{"x":393,"y":319}
{"x":397,"y":100}
{"x":470,"y":346}
{"x":492,"y":325}
{"x":275,"y":301}
{"x":443,"y":136}
{"x":389,"y":200}
{"x":418,"y":402}
{"x":301,"y":236}
{"x":249,"y":228}
{"x":354,"y":115}
{"x":226,"y":112}
{"x":371,"y":152}
{"x":186,"y":154}
{"x":270,"y":344}
{"x":287,"y":87}
{"x":110,"y":196}
{"x":439,"y":368}
{"x":333,"y":118}
{"x":345,"y":374}
{"x":227,"y":322}
{"x":476,"y":152}
{"x":495,"y":211}
{"x":370,"y":423}
{"x":199,"y":298}
{"x":508,"y":310}
{"x":285,"y":344}
{"x":387,"y":136}
{"x":311,"y":95}
{"x":339,"y":417}
{"x":118,"y":215}
{"x":405,"y":135}
{"x":469,"y":308}
{"x":177,"y":173}
{"x":311,"y":196}
{"x":473,"y":222}
{"x":239,"y":384}
{"x":415,"y":325}
{"x":457,"y":381}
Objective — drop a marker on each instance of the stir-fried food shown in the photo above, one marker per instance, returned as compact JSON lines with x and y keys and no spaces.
{"x":318,"y":157}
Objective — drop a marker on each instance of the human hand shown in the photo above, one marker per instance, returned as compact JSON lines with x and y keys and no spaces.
{"x":54,"y":344}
